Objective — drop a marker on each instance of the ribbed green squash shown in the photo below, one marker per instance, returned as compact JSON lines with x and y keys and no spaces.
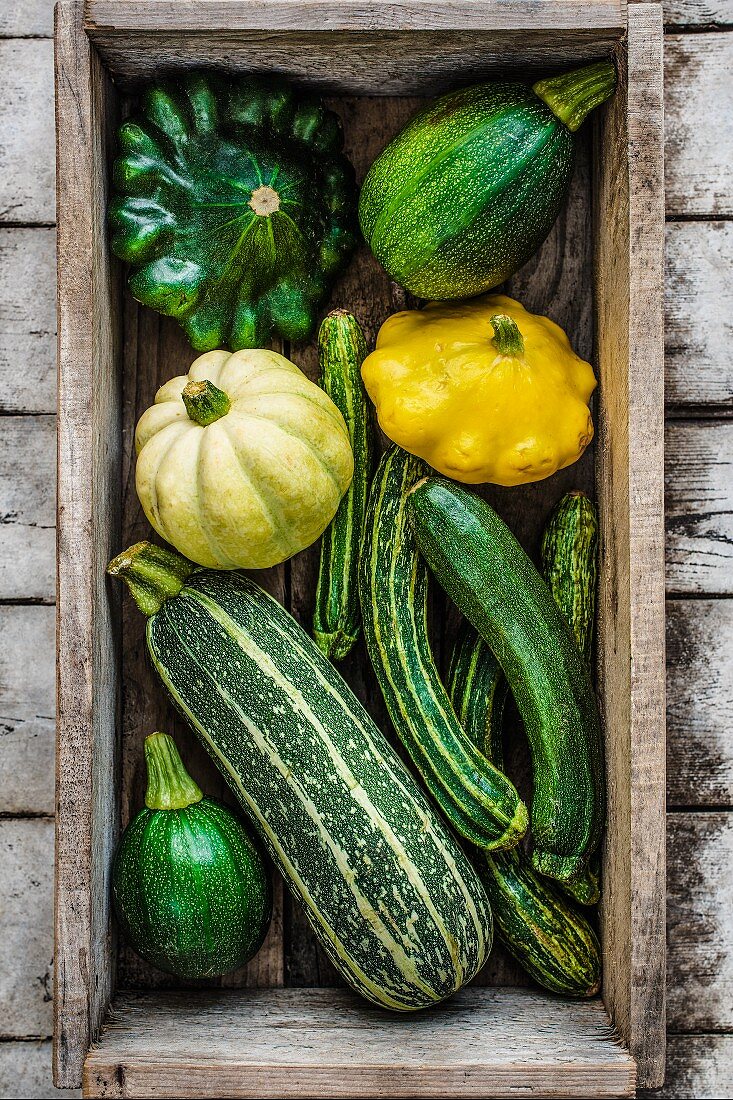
{"x":570,"y":564}
{"x":389,"y":893}
{"x":478,"y":800}
{"x":337,"y":616}
{"x":190,"y":889}
{"x":234,"y":206}
{"x":552,"y":941}
{"x":467,"y":192}
{"x":484,"y":570}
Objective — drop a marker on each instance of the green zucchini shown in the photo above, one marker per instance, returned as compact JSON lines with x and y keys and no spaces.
{"x":552,"y":941}
{"x":570,"y":564}
{"x":190,"y":890}
{"x":337,"y":617}
{"x":484,"y":570}
{"x":467,"y":192}
{"x":478,"y":800}
{"x":388,"y":891}
{"x":569,"y":556}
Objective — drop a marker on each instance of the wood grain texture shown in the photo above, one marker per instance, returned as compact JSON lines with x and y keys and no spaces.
{"x":698,"y":315}
{"x":27,"y":704}
{"x":28,"y":320}
{"x":355,"y":62}
{"x":698,"y":1066}
{"x":629,"y":224}
{"x":27,"y":507}
{"x":693,"y":13}
{"x":88,"y":533}
{"x":700,"y":921}
{"x":27,"y":18}
{"x":699,"y":505}
{"x":699,"y":703}
{"x":327,"y":1043}
{"x":698,"y":139}
{"x":26,"y":123}
{"x":26,"y":945}
{"x":210,"y":16}
{"x":25,"y":1072}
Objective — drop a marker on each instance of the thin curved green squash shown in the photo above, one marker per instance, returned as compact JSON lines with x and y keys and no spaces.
{"x":489,"y":577}
{"x":477,"y":799}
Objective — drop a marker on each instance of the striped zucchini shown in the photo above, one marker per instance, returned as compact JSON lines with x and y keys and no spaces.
{"x":553,"y":942}
{"x":478,"y":800}
{"x":337,"y":617}
{"x":570,"y":564}
{"x":487,"y":574}
{"x":389,"y":893}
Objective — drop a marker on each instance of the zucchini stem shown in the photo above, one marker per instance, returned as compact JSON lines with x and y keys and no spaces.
{"x":572,"y":96}
{"x":170,"y":787}
{"x":153,"y":574}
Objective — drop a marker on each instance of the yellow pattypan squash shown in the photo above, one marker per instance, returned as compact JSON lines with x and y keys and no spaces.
{"x":243,"y":462}
{"x":482,"y":390}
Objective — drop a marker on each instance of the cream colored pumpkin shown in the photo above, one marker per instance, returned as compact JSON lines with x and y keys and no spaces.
{"x":259,"y":478}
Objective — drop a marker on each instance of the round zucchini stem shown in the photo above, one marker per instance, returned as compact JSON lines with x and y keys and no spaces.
{"x":572,"y":96}
{"x":170,"y":787}
{"x":153,"y":574}
{"x":205,"y":403}
{"x":507,"y":337}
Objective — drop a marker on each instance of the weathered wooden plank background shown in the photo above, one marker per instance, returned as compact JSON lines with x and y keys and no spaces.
{"x":699,"y":306}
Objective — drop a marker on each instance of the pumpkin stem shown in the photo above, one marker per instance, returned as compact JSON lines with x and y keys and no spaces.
{"x":170,"y":787}
{"x":572,"y":96}
{"x":205,"y":402}
{"x":507,"y":337}
{"x":153,"y":574}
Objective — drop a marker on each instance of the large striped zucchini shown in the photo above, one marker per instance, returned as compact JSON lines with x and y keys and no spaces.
{"x":478,"y":800}
{"x":337,"y":616}
{"x":484,"y":570}
{"x":389,"y":893}
{"x":549,"y":938}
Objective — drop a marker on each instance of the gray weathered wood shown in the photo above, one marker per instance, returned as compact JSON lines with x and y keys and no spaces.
{"x":26,"y":123}
{"x":681,"y":13}
{"x":28,"y":320}
{"x":699,"y":504}
{"x":629,"y":223}
{"x":699,"y":314}
{"x":25,"y":1072}
{"x":27,"y":499}
{"x":699,"y":1067}
{"x":327,"y":1043}
{"x":700,"y":921}
{"x":700,"y":703}
{"x":27,"y":18}
{"x":88,"y":533}
{"x":698,"y":139}
{"x":208,"y":17}
{"x":27,"y":704}
{"x":26,"y":944}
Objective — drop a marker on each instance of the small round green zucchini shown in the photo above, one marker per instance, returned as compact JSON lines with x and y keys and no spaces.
{"x":478,"y":800}
{"x":337,"y":616}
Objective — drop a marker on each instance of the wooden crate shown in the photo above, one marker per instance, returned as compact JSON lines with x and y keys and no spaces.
{"x":272,"y":1032}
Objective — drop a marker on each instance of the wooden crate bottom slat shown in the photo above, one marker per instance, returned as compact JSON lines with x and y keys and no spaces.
{"x":327,"y":1043}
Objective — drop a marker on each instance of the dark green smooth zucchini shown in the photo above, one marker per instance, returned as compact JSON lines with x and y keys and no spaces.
{"x":337,"y":616}
{"x":478,"y":800}
{"x":552,"y":942}
{"x":484,"y":570}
